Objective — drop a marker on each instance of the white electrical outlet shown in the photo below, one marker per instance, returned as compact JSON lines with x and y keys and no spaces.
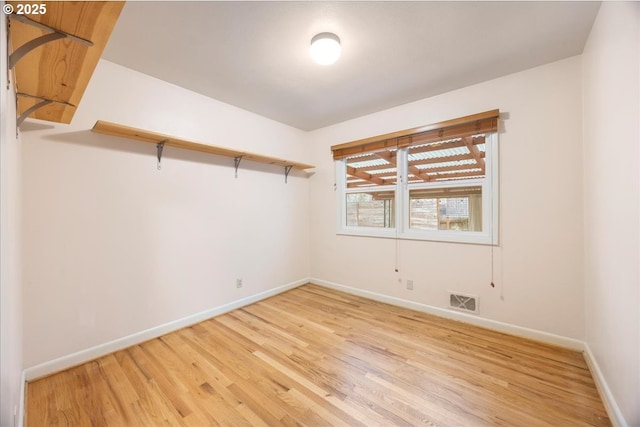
{"x":410,"y":285}
{"x":239,"y":283}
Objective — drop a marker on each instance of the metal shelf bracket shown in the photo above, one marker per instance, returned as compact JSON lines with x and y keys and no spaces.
{"x":159,"y":148}
{"x":43,"y":102}
{"x":236,"y":163}
{"x":30,"y":110}
{"x":53,"y":35}
{"x":287,"y":169}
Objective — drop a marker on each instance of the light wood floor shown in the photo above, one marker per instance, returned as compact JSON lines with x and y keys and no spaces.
{"x":318,"y":357}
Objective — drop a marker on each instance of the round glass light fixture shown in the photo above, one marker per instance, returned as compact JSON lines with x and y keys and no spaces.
{"x":325,"y":48}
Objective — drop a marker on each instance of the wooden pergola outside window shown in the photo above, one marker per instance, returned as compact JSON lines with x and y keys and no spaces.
{"x":454,"y":149}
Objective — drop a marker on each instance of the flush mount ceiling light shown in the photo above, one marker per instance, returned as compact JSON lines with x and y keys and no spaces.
{"x":325,"y":48}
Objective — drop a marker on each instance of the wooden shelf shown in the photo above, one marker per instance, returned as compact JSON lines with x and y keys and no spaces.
{"x":59,"y":70}
{"x":172,"y":141}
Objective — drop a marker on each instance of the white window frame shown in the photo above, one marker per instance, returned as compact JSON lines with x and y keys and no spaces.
{"x":342,"y":191}
{"x":490,"y":202}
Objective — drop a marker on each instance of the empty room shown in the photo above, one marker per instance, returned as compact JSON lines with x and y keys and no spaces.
{"x":308,"y":213}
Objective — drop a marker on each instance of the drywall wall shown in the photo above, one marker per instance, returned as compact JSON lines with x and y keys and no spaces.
{"x":611,"y":82}
{"x":112,"y":246}
{"x":538,"y":265}
{"x":10,"y":268}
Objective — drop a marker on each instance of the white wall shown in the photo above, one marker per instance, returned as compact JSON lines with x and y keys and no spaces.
{"x":113,"y":246}
{"x":10,"y":268}
{"x":611,"y":82}
{"x":539,"y":263}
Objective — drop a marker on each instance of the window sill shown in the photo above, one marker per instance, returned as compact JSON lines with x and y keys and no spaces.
{"x":474,"y":238}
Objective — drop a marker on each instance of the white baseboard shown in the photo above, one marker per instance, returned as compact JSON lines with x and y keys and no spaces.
{"x":20,"y":415}
{"x":495,"y":325}
{"x":613,"y":410}
{"x":83,"y":356}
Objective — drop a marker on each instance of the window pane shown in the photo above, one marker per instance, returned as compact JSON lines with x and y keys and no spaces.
{"x":453,"y":159}
{"x":371,"y":169}
{"x":371,"y":209}
{"x":456,"y":208}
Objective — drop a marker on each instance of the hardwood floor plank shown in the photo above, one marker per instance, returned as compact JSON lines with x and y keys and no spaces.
{"x":152,"y":402}
{"x":314,"y":356}
{"x":204,"y":405}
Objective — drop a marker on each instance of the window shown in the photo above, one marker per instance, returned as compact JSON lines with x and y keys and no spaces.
{"x":437,"y":182}
{"x":371,"y":209}
{"x":446,"y":208}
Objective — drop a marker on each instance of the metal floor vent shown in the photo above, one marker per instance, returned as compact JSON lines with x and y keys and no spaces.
{"x":461,"y":302}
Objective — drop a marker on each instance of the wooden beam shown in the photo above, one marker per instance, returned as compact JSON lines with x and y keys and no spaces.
{"x":376,"y":167}
{"x":391,"y":157}
{"x":363,"y":175}
{"x":385,"y":174}
{"x":386,"y":155}
{"x":417,"y":173}
{"x":475,"y":153}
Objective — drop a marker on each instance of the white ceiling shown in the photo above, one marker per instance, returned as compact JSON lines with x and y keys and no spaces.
{"x":254,"y":55}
